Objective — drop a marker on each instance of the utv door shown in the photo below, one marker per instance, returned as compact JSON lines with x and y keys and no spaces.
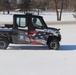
{"x":38,"y":34}
{"x":20,"y":31}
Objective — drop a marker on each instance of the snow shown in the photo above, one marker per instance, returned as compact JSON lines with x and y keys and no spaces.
{"x":39,"y":60}
{"x":6,"y":18}
{"x":49,"y":16}
{"x":26,"y":62}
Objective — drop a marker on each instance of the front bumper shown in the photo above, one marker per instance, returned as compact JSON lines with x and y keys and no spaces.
{"x":59,"y":37}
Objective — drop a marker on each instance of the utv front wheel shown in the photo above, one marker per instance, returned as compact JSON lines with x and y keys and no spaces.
{"x":53,"y":44}
{"x":4,"y":43}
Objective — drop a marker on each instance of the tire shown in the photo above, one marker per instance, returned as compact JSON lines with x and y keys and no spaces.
{"x":4,"y":43}
{"x":53,"y":44}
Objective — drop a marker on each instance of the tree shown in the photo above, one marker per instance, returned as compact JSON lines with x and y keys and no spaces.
{"x":59,"y":7}
{"x":1,"y":1}
{"x":39,"y":5}
{"x":13,"y":4}
{"x":25,"y":5}
{"x":5,"y":6}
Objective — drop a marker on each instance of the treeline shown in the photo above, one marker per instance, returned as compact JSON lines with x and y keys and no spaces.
{"x":29,"y":5}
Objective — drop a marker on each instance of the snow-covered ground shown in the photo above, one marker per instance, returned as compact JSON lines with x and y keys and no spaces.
{"x":39,"y":60}
{"x":49,"y":16}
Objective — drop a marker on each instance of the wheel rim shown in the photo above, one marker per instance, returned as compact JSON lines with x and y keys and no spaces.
{"x":2,"y":44}
{"x":53,"y":45}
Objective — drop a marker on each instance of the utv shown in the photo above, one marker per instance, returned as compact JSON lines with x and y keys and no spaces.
{"x":29,"y":29}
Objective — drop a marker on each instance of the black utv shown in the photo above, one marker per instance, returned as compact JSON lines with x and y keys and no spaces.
{"x":29,"y":29}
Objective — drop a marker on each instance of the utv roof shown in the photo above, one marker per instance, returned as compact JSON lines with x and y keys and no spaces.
{"x":27,"y":14}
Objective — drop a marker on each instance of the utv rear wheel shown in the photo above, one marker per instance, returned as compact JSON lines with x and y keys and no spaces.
{"x":53,"y":44}
{"x":4,"y":43}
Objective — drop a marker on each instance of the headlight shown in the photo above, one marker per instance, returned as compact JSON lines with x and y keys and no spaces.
{"x":57,"y":32}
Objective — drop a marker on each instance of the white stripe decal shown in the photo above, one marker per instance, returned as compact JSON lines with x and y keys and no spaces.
{"x":26,"y":28}
{"x":39,"y":30}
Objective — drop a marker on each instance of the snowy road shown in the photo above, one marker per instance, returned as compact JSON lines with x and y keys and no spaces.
{"x":39,"y":60}
{"x":42,"y":62}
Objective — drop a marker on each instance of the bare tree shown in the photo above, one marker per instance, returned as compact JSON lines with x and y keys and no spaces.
{"x":13,"y":4}
{"x":24,"y":5}
{"x":59,"y":8}
{"x":5,"y":6}
{"x":39,"y":5}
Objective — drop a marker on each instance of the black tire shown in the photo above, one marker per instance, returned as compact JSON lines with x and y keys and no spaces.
{"x":4,"y":43}
{"x":53,"y":44}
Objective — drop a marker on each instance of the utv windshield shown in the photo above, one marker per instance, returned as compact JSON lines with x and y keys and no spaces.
{"x":38,"y":22}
